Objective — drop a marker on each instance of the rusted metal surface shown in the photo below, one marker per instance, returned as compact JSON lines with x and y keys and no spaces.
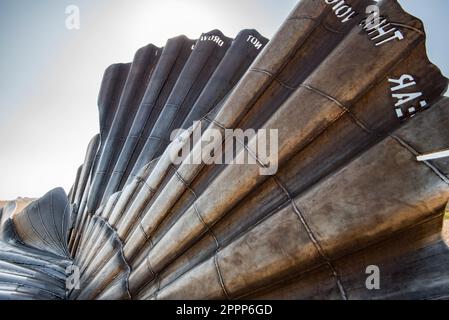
{"x":354,"y":106}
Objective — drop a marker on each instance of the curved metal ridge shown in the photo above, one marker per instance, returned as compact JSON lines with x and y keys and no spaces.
{"x":353,"y":105}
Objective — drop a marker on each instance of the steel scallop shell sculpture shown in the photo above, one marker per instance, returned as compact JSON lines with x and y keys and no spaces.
{"x":354,"y":101}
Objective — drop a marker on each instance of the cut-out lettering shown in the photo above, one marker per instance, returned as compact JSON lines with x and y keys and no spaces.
{"x":407,"y":104}
{"x":254,"y":41}
{"x":215,"y":39}
{"x":382,"y":31}
{"x":342,"y":10}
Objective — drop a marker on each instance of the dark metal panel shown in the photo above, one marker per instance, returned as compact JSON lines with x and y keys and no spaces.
{"x":166,"y":73}
{"x":135,"y":87}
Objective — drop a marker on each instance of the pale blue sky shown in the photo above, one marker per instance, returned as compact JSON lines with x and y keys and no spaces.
{"x":50,"y":77}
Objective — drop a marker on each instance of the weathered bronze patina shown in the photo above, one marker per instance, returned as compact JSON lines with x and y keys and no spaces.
{"x":355,"y":100}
